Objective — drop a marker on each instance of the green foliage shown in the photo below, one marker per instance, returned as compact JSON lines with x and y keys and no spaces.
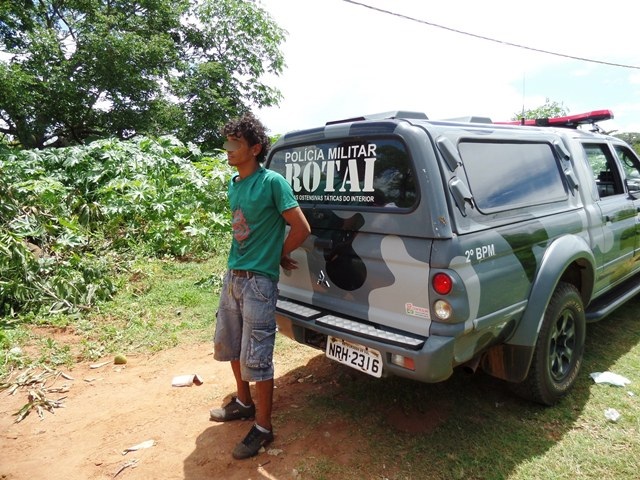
{"x":69,"y":216}
{"x":548,"y":110}
{"x":632,"y":138}
{"x":55,"y":354}
{"x":74,"y":70}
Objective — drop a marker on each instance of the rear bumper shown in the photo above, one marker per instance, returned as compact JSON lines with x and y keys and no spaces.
{"x":433,"y":356}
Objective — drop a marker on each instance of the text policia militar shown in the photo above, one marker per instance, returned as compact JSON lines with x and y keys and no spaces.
{"x":342,"y":169}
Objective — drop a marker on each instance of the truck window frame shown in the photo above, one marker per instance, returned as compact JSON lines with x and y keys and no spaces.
{"x":516,"y":188}
{"x":411,"y":190}
{"x":631,"y":166}
{"x":604,"y":169}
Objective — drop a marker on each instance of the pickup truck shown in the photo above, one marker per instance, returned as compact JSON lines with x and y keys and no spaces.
{"x":473,"y":244}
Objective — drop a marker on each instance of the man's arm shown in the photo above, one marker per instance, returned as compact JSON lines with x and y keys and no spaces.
{"x":298,"y":232}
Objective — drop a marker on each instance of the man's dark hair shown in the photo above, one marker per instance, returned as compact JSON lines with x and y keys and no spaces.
{"x":252,"y":130}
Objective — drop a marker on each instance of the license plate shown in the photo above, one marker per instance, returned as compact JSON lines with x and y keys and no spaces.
{"x":356,"y":356}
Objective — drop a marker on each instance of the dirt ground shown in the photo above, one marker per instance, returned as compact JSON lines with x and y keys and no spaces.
{"x":112,"y":408}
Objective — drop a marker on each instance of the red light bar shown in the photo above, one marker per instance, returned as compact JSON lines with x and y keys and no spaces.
{"x":571,"y":121}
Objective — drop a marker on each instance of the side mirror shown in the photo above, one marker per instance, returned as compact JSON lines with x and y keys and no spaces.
{"x":633,"y":188}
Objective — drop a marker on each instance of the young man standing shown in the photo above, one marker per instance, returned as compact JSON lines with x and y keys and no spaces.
{"x":262,"y":202}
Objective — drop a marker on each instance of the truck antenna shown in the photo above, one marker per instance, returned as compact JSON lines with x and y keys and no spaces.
{"x":523,"y":94}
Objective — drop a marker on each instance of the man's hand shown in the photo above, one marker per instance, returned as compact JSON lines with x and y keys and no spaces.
{"x":298,"y":232}
{"x":288,"y":263}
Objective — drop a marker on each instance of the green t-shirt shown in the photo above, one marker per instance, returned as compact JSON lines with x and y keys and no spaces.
{"x":257,"y":203}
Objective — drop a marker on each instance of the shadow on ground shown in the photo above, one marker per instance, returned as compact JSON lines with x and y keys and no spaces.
{"x":338,"y":423}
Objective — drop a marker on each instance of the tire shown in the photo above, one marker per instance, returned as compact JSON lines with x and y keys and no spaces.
{"x":559,"y":349}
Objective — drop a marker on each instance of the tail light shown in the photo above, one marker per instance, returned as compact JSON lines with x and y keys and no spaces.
{"x":442,"y":285}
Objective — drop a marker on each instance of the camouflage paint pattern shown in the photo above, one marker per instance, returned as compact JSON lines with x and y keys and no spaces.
{"x":366,"y":270}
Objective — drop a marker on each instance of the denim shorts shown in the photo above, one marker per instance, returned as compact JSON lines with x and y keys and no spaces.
{"x":246,"y":325}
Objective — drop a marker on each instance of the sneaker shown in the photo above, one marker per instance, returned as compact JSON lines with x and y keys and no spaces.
{"x":252,"y":443}
{"x":232,"y":411}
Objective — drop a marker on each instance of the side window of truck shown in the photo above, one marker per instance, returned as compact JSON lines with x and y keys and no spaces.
{"x":605,"y":171}
{"x":505,"y":175}
{"x":631,"y":167}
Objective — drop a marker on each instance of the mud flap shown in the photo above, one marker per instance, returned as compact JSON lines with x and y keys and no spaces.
{"x":508,"y":362}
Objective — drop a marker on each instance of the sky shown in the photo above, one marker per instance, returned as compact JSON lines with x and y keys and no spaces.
{"x":345,"y":60}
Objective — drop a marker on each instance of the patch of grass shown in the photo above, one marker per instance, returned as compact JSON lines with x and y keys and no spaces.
{"x":161,"y":306}
{"x":321,"y":469}
{"x":55,"y":354}
{"x":475,"y":428}
{"x":160,"y":303}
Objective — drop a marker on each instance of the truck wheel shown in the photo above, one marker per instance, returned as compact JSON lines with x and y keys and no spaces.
{"x":557,"y":357}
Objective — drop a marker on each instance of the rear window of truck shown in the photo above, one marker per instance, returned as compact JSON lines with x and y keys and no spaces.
{"x":353,"y":173}
{"x":504,"y":176}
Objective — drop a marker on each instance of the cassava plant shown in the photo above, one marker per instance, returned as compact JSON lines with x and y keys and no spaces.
{"x":68,"y":216}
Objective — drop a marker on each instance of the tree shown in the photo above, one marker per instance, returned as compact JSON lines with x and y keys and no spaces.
{"x":548,"y":110}
{"x":72,"y":70}
{"x":632,"y":138}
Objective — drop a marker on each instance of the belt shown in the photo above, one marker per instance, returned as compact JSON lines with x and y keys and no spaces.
{"x":242,"y":273}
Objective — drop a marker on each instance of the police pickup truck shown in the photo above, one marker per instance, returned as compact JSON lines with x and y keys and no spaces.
{"x":439,"y":244}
